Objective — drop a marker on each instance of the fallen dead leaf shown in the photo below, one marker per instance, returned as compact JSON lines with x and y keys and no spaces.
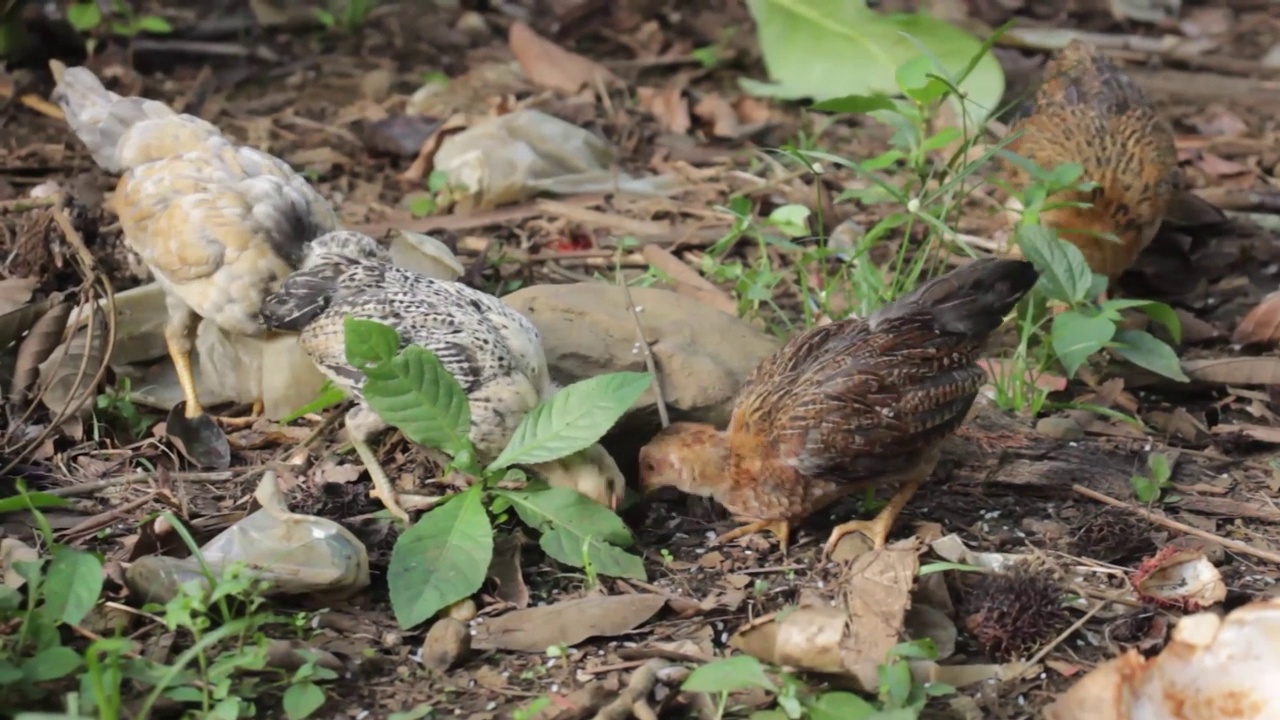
{"x":719,"y":114}
{"x":15,"y":292}
{"x":1261,"y":433}
{"x":1234,"y":370}
{"x":689,"y":282}
{"x":668,"y":104}
{"x":504,"y":570}
{"x":35,"y":348}
{"x":550,"y":65}
{"x":1261,"y":326}
{"x":13,"y":551}
{"x":566,"y":623}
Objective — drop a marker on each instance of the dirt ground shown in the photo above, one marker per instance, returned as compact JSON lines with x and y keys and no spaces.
{"x":315,"y":98}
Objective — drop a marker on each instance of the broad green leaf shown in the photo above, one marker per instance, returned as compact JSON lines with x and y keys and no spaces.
{"x":415,"y":393}
{"x":441,"y":559}
{"x":1157,"y":311}
{"x":730,"y":674}
{"x":572,"y":419}
{"x":1064,"y":274}
{"x":791,"y":219}
{"x":942,"y":566}
{"x":840,"y":706}
{"x":1076,"y":336}
{"x":84,"y":15}
{"x":16,"y":503}
{"x":302,"y":699}
{"x":154,"y":24}
{"x":72,"y":584}
{"x":51,"y":664}
{"x":10,"y":599}
{"x":924,"y":649}
{"x":369,"y":343}
{"x":1146,"y":351}
{"x":916,"y":80}
{"x":856,"y":104}
{"x":810,"y":47}
{"x":570,"y":523}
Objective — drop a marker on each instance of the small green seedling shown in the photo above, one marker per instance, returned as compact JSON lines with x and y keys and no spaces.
{"x":1149,"y":488}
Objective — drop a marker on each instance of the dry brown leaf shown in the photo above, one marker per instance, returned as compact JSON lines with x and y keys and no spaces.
{"x":668,"y":104}
{"x":717,"y":112}
{"x":1262,"y":325}
{"x":550,"y":65}
{"x":851,"y":640}
{"x":67,"y":374}
{"x":15,"y":292}
{"x":36,"y":347}
{"x":504,"y":570}
{"x":1234,"y":370}
{"x":1261,"y":433}
{"x":566,"y":623}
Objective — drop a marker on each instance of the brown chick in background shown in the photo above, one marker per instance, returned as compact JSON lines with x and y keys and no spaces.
{"x":1088,"y":111}
{"x":220,"y":225}
{"x":844,"y":406}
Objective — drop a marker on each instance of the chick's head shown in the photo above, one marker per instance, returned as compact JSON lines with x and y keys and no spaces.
{"x":690,"y":457}
{"x":345,"y":243}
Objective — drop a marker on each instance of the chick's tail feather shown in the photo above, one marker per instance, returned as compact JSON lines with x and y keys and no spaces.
{"x":123,"y":132}
{"x":971,"y":300}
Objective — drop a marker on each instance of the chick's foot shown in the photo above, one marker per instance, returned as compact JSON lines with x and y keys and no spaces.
{"x":879,"y":527}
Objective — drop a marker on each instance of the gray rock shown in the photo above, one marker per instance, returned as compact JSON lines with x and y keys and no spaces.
{"x":702,"y":354}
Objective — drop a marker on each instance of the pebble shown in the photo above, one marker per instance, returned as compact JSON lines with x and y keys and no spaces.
{"x":1060,"y":428}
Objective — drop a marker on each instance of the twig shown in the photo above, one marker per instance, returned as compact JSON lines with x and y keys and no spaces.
{"x":648,"y":357}
{"x":1160,"y":519}
{"x":1044,"y":651}
{"x":136,"y":478}
{"x":104,"y":519}
{"x":25,"y":204}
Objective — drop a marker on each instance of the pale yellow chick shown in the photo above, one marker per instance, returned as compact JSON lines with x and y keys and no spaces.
{"x":220,"y":225}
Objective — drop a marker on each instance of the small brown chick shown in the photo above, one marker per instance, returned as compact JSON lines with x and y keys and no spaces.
{"x":220,"y":225}
{"x":1088,"y":111}
{"x":844,"y":406}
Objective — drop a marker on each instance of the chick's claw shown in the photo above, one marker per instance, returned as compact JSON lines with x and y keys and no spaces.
{"x":878,"y":528}
{"x":780,"y":529}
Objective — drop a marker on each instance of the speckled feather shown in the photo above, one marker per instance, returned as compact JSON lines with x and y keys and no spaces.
{"x":220,"y":225}
{"x":494,"y":352}
{"x":1090,"y":112}
{"x":863,"y":400}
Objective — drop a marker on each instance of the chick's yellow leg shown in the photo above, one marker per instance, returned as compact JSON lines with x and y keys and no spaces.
{"x":780,"y":528}
{"x":179,"y":337}
{"x":362,"y":423}
{"x":877,"y":528}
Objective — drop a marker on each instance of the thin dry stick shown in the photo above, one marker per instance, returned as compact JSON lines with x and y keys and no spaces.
{"x":648,"y":357}
{"x":1159,"y":519}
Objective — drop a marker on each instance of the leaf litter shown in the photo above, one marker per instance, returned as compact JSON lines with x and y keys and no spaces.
{"x":691,"y":603}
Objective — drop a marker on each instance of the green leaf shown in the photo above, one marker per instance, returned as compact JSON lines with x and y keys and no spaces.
{"x":415,"y":393}
{"x":942,"y":566}
{"x":16,"y":503}
{"x":1076,"y":336}
{"x":302,"y":699}
{"x":730,"y":674}
{"x":72,"y":584}
{"x":572,"y":419}
{"x":441,"y":559}
{"x":809,"y":47}
{"x":1147,"y":351}
{"x":153,"y":24}
{"x":329,"y":396}
{"x":793,"y":220}
{"x":1159,"y":464}
{"x":1145,"y":490}
{"x":51,"y":664}
{"x":368,"y":342}
{"x":840,"y":706}
{"x":1166,"y":316}
{"x":916,"y":78}
{"x":569,"y":522}
{"x":1064,"y":274}
{"x":84,"y":16}
{"x":856,"y":104}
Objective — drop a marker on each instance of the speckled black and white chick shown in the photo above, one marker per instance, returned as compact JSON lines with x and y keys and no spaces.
{"x":494,"y":352}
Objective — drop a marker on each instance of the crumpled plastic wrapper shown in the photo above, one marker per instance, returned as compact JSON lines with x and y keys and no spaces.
{"x":235,"y":368}
{"x":513,"y":157}
{"x":1213,"y":668}
{"x":296,"y":554}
